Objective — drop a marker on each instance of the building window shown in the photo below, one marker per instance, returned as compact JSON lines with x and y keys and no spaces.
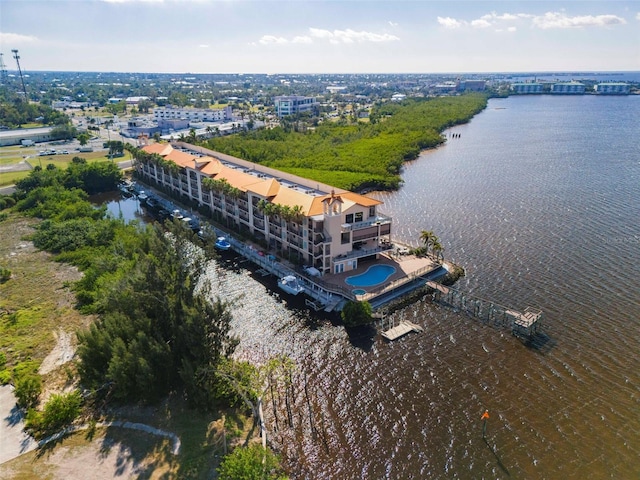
{"x":372,"y":211}
{"x":345,"y":238}
{"x":349,"y":218}
{"x":358,"y":216}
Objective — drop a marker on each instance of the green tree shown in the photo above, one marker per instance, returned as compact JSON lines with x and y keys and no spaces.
{"x":251,"y":463}
{"x":158,"y":329}
{"x":356,"y":313}
{"x":83,"y":138}
{"x":63,"y":132}
{"x":251,"y":383}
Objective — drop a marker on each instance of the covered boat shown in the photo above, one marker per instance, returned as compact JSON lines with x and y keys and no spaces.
{"x":291,"y":284}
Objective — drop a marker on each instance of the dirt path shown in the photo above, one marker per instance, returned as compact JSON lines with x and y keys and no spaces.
{"x":62,"y":353}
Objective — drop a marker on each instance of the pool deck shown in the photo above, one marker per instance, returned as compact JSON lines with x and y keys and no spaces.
{"x":405,"y":265}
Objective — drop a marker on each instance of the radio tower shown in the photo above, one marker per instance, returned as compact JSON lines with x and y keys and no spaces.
{"x":3,"y":71}
{"x":17,"y":57}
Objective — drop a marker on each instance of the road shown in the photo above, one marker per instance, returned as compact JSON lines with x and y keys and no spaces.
{"x":13,"y":441}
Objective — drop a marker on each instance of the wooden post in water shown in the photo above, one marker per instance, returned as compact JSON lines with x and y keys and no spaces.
{"x":484,"y":418}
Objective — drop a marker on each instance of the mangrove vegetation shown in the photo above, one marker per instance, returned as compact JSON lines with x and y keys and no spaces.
{"x":357,"y":156}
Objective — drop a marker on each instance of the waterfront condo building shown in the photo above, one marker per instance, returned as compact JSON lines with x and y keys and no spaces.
{"x":612,"y":88}
{"x":568,"y":88}
{"x":292,"y":104}
{"x":307,"y":222}
{"x":526,"y":88}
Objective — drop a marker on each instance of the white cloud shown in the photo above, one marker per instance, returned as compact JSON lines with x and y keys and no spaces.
{"x":272,"y":39}
{"x":561,"y":20}
{"x":480,"y":23}
{"x":638,"y":16}
{"x":16,"y":38}
{"x":448,"y":22}
{"x":394,"y":24}
{"x":549,"y":20}
{"x":335,"y":37}
{"x":320,"y":33}
{"x":203,"y":45}
{"x":133,"y":1}
{"x":302,"y":39}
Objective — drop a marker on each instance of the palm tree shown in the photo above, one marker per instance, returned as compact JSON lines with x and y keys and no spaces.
{"x":427,"y":237}
{"x":437,"y":249}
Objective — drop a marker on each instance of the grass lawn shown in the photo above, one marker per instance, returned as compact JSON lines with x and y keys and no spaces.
{"x":9,"y":178}
{"x":36,"y":301}
{"x":60,"y":161}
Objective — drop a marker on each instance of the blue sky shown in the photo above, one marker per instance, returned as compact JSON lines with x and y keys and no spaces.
{"x":384,"y":36}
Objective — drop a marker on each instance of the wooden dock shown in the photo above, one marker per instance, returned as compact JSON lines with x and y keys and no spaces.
{"x":523,"y":324}
{"x":401,"y":329}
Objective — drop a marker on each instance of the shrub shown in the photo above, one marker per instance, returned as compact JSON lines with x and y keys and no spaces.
{"x":28,"y":389}
{"x":252,"y":462}
{"x":5,"y":274}
{"x":5,"y":377}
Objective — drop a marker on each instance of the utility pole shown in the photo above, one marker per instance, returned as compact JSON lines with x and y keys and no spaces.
{"x":24,"y":89}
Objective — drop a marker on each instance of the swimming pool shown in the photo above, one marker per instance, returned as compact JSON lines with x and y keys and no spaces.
{"x":373,"y":276}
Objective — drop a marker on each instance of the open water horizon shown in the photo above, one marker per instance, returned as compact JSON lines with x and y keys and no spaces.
{"x":538,"y":199}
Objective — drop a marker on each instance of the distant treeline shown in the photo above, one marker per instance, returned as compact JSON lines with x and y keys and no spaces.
{"x":361,"y":156}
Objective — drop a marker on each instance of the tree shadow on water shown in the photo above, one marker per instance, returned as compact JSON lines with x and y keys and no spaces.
{"x":362,"y":337}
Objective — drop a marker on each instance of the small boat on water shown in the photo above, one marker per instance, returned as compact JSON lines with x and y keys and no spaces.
{"x":142,"y":196}
{"x":291,"y":284}
{"x":222,"y":244}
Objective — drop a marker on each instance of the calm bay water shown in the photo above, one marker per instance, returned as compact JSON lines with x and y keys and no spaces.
{"x":539,"y":199}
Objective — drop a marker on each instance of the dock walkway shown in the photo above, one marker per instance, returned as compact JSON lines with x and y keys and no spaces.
{"x":404,"y":327}
{"x":524,"y":324}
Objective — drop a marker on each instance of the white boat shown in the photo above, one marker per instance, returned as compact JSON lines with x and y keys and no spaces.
{"x":222,"y":244}
{"x":291,"y":284}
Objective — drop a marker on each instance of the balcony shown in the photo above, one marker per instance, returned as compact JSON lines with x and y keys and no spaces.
{"x":378,"y":220}
{"x":383,"y":247}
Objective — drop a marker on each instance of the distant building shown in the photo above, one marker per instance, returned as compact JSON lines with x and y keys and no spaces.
{"x":526,"y":88}
{"x":612,"y":88}
{"x":336,"y":89}
{"x":18,"y":135}
{"x":398,"y":97}
{"x":292,"y":104}
{"x":135,"y":100}
{"x":168,"y":125}
{"x":137,"y":126}
{"x":445,"y":88}
{"x":568,"y":88}
{"x":193,"y":114}
{"x":472,"y":86}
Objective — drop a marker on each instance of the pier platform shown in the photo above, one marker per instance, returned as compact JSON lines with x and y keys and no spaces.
{"x":401,"y":330}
